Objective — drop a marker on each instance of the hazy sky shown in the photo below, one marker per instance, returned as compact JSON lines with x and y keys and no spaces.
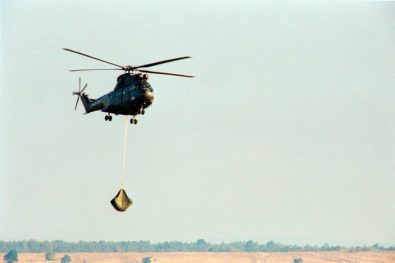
{"x":287,"y":132}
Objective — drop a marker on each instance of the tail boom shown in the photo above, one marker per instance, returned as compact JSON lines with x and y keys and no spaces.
{"x":90,"y":104}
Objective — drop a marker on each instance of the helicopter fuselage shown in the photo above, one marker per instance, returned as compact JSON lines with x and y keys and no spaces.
{"x":131,"y":95}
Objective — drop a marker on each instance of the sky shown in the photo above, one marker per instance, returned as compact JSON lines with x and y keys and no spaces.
{"x":287,"y":133}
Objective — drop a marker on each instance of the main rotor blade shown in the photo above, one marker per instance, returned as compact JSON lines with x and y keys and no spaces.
{"x":165,"y":73}
{"x":82,"y":54}
{"x":91,"y":69}
{"x":159,"y":62}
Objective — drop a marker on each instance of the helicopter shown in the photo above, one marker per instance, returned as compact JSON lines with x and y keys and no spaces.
{"x":131,"y":95}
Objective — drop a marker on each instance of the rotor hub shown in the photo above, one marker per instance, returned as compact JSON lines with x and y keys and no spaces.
{"x":128,"y":68}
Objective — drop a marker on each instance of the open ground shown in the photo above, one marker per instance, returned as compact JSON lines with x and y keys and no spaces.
{"x":228,"y":257}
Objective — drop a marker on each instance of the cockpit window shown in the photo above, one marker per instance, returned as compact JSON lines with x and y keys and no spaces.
{"x":148,"y":86}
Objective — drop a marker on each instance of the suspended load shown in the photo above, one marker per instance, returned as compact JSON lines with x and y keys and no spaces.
{"x":121,"y":201}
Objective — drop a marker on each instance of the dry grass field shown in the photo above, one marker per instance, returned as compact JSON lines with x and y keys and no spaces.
{"x":206,"y":257}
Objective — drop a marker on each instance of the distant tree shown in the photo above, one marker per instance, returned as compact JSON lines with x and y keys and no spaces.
{"x":274,"y":247}
{"x":49,"y":256}
{"x":251,"y":246}
{"x":325,"y":247}
{"x":65,"y":259}
{"x":146,"y":260}
{"x":11,"y":256}
{"x":377,"y":247}
{"x":270,"y":245}
{"x":201,"y":245}
{"x":117,"y":248}
{"x":298,"y":260}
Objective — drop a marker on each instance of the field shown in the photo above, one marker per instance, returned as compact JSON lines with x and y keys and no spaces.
{"x":207,"y":257}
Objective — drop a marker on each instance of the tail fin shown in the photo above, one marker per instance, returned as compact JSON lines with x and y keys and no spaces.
{"x":89,"y":104}
{"x":86,"y":101}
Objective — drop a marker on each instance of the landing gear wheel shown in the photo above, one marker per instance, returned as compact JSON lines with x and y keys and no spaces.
{"x":142,"y":111}
{"x":106,"y":118}
{"x":110,"y":118}
{"x":133,"y":121}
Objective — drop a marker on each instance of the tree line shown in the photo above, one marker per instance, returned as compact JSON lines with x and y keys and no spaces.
{"x":59,"y":246}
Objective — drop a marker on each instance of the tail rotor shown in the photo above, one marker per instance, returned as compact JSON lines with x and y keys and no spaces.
{"x":79,"y":92}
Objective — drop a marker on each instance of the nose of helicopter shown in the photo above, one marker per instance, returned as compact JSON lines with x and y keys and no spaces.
{"x":149,"y":96}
